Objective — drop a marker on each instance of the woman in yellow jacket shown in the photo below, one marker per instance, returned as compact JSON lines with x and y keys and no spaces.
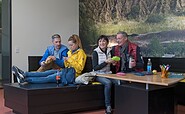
{"x":76,"y":55}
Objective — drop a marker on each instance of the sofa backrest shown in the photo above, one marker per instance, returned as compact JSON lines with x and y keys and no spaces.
{"x":33,"y":63}
{"x":177,"y":64}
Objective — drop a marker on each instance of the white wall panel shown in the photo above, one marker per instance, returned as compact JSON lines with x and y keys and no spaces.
{"x":35,"y":21}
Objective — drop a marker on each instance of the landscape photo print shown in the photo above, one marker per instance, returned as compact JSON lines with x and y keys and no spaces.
{"x":157,"y":26}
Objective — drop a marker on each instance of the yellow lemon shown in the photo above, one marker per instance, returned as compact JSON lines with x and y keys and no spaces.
{"x":154,"y":71}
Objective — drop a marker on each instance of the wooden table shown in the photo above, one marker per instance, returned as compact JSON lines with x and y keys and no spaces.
{"x":147,"y":79}
{"x":149,"y":94}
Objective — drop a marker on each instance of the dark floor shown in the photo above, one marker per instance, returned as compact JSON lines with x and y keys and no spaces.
{"x":5,"y":110}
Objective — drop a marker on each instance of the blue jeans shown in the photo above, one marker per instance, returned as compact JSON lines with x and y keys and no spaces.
{"x":42,"y":77}
{"x":107,"y":88}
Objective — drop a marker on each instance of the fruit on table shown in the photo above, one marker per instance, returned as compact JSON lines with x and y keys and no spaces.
{"x":116,"y":58}
{"x":154,"y":71}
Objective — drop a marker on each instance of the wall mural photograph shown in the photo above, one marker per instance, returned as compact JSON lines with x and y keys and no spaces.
{"x":157,"y":26}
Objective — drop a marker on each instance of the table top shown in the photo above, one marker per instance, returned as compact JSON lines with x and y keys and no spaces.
{"x":147,"y":79}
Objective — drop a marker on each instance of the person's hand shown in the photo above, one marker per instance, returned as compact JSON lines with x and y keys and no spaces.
{"x":133,"y":63}
{"x":65,"y":58}
{"x":52,"y":57}
{"x":49,"y":60}
{"x":109,"y":60}
{"x":106,"y":61}
{"x":42,"y":63}
{"x":114,"y":63}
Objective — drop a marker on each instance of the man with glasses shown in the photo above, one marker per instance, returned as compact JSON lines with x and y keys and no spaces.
{"x":53,"y":56}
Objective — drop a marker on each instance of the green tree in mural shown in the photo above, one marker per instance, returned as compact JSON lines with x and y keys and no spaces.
{"x":155,"y":49}
{"x":87,"y":29}
{"x":154,"y":19}
{"x":176,"y":48}
{"x":142,"y":17}
{"x":109,"y":10}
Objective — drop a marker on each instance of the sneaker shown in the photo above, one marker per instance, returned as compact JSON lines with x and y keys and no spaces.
{"x":19,"y":70}
{"x":18,"y":74}
{"x":108,"y":110}
{"x":18,"y":79}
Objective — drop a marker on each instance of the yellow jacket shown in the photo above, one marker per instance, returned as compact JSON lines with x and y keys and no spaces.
{"x":76,"y":60}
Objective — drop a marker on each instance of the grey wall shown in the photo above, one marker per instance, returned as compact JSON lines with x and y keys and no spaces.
{"x":34,"y":22}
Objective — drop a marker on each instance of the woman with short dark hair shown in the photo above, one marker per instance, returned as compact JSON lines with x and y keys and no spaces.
{"x":101,"y":60}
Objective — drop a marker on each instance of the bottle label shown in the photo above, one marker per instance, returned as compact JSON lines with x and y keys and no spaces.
{"x":130,"y":62}
{"x":57,"y":77}
{"x":149,"y":68}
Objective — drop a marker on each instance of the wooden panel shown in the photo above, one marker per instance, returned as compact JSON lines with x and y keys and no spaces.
{"x":180,"y":93}
{"x":36,"y":98}
{"x":141,"y":101}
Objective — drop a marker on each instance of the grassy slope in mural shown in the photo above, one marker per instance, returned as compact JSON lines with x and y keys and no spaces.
{"x":150,"y":36}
